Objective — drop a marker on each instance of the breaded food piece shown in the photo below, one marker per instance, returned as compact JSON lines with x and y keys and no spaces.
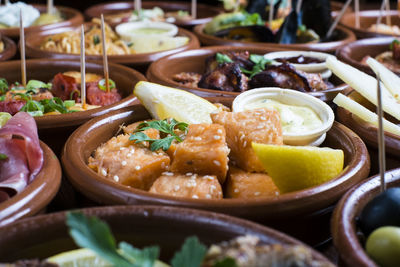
{"x":204,"y":151}
{"x":128,"y":163}
{"x":259,"y":125}
{"x":187,"y":185}
{"x":242,"y":184}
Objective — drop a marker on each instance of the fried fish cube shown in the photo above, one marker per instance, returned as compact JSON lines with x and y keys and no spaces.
{"x":204,"y":151}
{"x":242,"y":184}
{"x":259,"y":125}
{"x":187,"y":185}
{"x":128,"y":163}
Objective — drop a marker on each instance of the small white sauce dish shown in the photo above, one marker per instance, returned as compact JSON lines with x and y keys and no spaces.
{"x":131,"y":30}
{"x":308,"y":67}
{"x":312,"y":137}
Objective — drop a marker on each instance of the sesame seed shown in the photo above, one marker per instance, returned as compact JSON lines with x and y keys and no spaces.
{"x":116,"y":178}
{"x":177,"y":187}
{"x":216,"y":162}
{"x":257,"y":193}
{"x":212,"y":188}
{"x":263,"y":118}
{"x":129,"y":155}
{"x":168,"y":173}
{"x":189,"y":174}
{"x":132,"y":151}
{"x":244,"y":143}
{"x":260,"y":126}
{"x":217,"y":137}
{"x":104,"y":172}
{"x":197,"y":138}
{"x":195,"y":196}
{"x":236,"y":190}
{"x":208,"y":196}
{"x":123,"y":163}
{"x":209,"y":177}
{"x":219,"y":131}
{"x":137,"y":167}
{"x":122,"y":148}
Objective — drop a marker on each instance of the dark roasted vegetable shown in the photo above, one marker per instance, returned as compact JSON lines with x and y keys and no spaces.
{"x":240,"y":58}
{"x":225,"y":77}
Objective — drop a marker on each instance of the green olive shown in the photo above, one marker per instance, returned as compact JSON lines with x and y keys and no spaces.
{"x":383,"y":246}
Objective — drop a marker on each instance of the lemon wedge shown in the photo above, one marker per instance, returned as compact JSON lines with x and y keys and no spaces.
{"x":295,"y":168}
{"x":166,"y":102}
{"x":77,"y":258}
{"x":86,"y":258}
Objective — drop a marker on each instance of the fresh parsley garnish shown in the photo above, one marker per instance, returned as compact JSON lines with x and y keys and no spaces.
{"x":222,"y":58}
{"x":3,"y":86}
{"x":96,"y":39}
{"x":259,"y":65}
{"x":3,"y":156}
{"x":94,"y":234}
{"x":191,"y":254}
{"x":167,"y":133}
{"x":393,"y":43}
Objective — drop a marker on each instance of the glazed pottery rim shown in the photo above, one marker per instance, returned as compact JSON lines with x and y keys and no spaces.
{"x":34,"y":51}
{"x":349,"y":37}
{"x":74,"y":117}
{"x":343,"y":220}
{"x":370,"y":13}
{"x":89,"y":12}
{"x":76,"y":18}
{"x":154,"y":72}
{"x":33,"y":192}
{"x":10,"y":48}
{"x":359,"y":161}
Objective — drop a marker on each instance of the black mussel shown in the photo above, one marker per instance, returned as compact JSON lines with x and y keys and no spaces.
{"x":254,"y":33}
{"x":383,"y":210}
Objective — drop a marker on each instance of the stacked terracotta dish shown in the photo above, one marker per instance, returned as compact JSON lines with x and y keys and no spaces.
{"x":237,"y":134}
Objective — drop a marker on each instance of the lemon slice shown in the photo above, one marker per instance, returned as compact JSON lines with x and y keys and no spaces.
{"x":295,"y":168}
{"x":165,"y":102}
{"x":78,"y":257}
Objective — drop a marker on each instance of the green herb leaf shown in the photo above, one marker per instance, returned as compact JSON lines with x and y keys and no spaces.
{"x":167,"y":132}
{"x":69,"y":103}
{"x":191,"y":254}
{"x":96,"y":39}
{"x":227,"y":262}
{"x":3,"y":156}
{"x":34,"y":85}
{"x":221,"y":58}
{"x":102,"y":84}
{"x":259,"y":66}
{"x":140,"y":257}
{"x":92,"y":233}
{"x":3,"y":86}
{"x":393,"y":43}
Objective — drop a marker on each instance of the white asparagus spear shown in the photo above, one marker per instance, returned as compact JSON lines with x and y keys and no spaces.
{"x":389,"y":79}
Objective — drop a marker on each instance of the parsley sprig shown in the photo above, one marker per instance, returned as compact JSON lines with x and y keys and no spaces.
{"x":167,"y":129}
{"x":94,"y":234}
{"x":259,"y":63}
{"x":3,"y":156}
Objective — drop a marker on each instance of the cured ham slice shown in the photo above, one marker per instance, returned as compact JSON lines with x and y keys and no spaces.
{"x":24,"y":158}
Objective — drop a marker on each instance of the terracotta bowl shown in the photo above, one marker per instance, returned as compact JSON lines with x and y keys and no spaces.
{"x":354,"y":53}
{"x":33,"y":42}
{"x":336,"y":7}
{"x":55,"y":129}
{"x":164,"y":69}
{"x":305,"y":205}
{"x":369,"y":134}
{"x":72,"y":18}
{"x":10,"y":48}
{"x":141,"y":226}
{"x":205,"y":13}
{"x":35,"y":197}
{"x":346,"y":36}
{"x":344,"y":230}
{"x":367,"y":19}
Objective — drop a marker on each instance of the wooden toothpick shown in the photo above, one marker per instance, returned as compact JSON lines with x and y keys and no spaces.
{"x":271,"y":12}
{"x":194,"y":9}
{"x":22,"y":48}
{"x":338,"y":18}
{"x":357,"y":13}
{"x":50,"y":6}
{"x":105,"y":60}
{"x":381,"y":135}
{"x":83,"y":69}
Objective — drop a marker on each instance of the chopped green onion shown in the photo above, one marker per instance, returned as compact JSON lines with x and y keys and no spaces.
{"x":69,"y":103}
{"x":102,"y":84}
{"x":3,"y":156}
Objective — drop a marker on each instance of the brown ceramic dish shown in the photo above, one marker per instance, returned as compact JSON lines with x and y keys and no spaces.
{"x":369,"y":134}
{"x":33,"y":42}
{"x":72,"y":18}
{"x":307,"y":204}
{"x":35,"y":197}
{"x":141,"y":226}
{"x":204,"y":12}
{"x":346,"y":36}
{"x":344,"y":230}
{"x":56,"y":128}
{"x":354,"y":53}
{"x":367,"y":19}
{"x":10,"y":48}
{"x":163,"y":70}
